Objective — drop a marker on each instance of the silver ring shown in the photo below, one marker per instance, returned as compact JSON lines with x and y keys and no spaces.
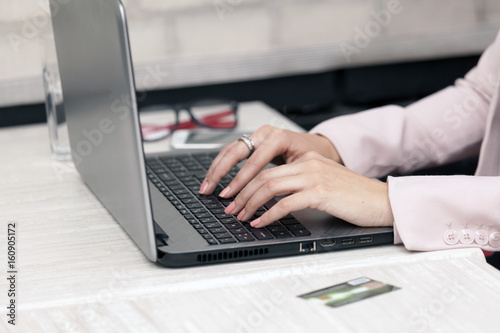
{"x":249,"y":142}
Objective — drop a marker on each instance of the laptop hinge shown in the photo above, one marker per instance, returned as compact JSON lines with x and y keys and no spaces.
{"x":160,"y":235}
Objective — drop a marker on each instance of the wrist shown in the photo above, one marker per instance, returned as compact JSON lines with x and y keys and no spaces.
{"x":328,"y":149}
{"x":386,"y":217}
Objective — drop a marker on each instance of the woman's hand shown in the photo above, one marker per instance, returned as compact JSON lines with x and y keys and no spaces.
{"x":314,"y":181}
{"x":270,"y":142}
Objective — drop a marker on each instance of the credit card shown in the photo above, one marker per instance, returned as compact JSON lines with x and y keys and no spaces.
{"x":348,"y":292}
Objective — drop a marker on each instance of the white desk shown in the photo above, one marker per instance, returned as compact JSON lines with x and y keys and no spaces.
{"x":80,"y":272}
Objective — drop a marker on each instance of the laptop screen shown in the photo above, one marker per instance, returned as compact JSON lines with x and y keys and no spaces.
{"x":99,"y":100}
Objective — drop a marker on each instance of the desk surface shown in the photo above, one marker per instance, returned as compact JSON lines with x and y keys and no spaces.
{"x":79,"y":272}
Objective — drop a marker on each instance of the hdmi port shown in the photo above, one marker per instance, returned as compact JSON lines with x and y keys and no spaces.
{"x":347,"y":241}
{"x":328,"y":243}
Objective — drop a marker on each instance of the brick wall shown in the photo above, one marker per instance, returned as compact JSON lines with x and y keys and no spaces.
{"x":211,"y":41}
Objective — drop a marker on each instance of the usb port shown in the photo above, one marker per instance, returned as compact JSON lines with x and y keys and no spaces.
{"x":347,"y":241}
{"x":367,"y":239}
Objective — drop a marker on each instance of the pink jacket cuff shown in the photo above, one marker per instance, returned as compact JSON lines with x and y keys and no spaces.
{"x":445,"y":212}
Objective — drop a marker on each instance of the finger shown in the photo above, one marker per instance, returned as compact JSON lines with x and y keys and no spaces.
{"x":271,"y":189}
{"x":282,"y":208}
{"x":221,"y":156}
{"x":267,"y":179}
{"x":222,"y":164}
{"x":264,"y":154}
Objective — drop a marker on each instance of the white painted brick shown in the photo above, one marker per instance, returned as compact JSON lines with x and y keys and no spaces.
{"x":149,"y":39}
{"x":180,"y":5}
{"x":23,"y":61}
{"x":160,"y":5}
{"x":202,"y":35}
{"x":17,"y":10}
{"x":319,"y":22}
{"x":433,"y":17}
{"x":241,"y":30}
{"x":492,"y":11}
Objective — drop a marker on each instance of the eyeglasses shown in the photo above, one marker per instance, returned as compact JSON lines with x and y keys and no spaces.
{"x":214,"y":114}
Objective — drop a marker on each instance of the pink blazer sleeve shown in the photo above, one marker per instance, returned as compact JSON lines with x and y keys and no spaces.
{"x":444,"y":127}
{"x":430,"y":212}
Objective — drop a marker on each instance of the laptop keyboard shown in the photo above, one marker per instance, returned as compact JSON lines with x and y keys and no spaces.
{"x":179,"y":179}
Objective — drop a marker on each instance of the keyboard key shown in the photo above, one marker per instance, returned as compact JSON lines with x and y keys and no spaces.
{"x":165,"y":176}
{"x":176,"y":203}
{"x":301,"y":232}
{"x":216,"y":231}
{"x":281,"y":234}
{"x":213,"y":206}
{"x":209,"y":200}
{"x":259,"y":213}
{"x":189,"y":200}
{"x":200,"y":175}
{"x":226,"y":201}
{"x":233,"y":225}
{"x":289,"y":221}
{"x":208,"y":220}
{"x":194,"y":206}
{"x":276,"y":228}
{"x":227,"y":240}
{"x":270,"y":203}
{"x":203,"y":215}
{"x":213,"y":225}
{"x":194,"y":188}
{"x":262,"y":234}
{"x":200,"y":210}
{"x":246,"y":237}
{"x":227,"y":219}
{"x":235,"y":231}
{"x":295,"y":226}
{"x":224,"y":216}
{"x":185,"y":179}
{"x":222,"y":235}
{"x":218,"y":190}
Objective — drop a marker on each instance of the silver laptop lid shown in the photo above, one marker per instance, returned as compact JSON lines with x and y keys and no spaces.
{"x":99,"y":100}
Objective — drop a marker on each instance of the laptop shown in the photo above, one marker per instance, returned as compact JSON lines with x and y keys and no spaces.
{"x":155,"y":197}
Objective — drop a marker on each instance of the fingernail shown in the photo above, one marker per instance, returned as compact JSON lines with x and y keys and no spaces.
{"x":224,"y":192}
{"x":241,"y":214}
{"x":255,"y":222}
{"x":203,"y":186}
{"x":229,"y":208}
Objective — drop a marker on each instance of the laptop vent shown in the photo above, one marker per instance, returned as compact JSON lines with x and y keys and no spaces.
{"x":231,"y":255}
